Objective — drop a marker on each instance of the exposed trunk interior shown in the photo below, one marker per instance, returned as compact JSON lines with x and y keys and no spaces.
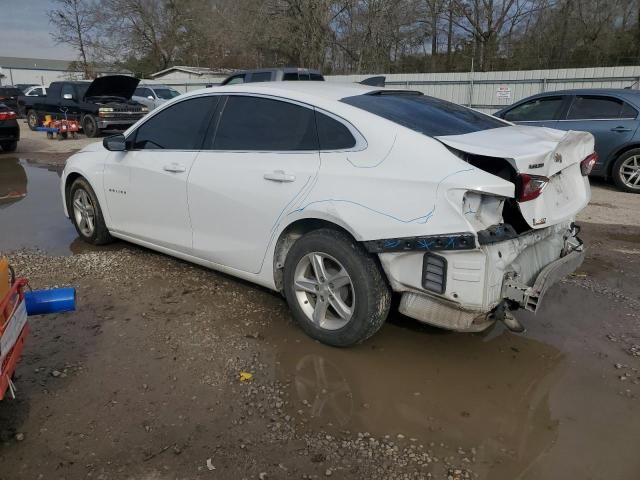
{"x":500,"y":167}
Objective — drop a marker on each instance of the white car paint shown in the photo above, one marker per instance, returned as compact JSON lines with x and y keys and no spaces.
{"x":220,"y":211}
{"x":36,"y":91}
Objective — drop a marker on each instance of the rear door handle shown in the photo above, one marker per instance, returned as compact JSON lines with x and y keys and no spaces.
{"x":620,"y":129}
{"x":174,"y":168}
{"x":279,"y":176}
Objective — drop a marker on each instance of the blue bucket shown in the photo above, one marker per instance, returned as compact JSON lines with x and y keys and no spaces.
{"x":54,"y":300}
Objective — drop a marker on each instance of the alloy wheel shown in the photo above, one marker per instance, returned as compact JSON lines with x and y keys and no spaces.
{"x":324,"y":290}
{"x":84,"y":212}
{"x":630,"y":172}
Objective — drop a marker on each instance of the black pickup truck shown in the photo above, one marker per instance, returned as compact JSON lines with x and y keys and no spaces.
{"x":104,"y":103}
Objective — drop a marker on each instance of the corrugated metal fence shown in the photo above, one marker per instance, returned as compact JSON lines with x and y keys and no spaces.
{"x":491,"y":91}
{"x":486,"y":91}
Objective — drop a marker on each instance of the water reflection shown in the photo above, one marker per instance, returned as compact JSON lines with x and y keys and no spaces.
{"x":466,"y":391}
{"x":31,"y":212}
{"x":13,"y":182}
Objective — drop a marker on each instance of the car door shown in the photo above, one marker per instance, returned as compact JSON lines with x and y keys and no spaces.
{"x":146,"y":186}
{"x":611,"y":120}
{"x":68,"y":105}
{"x":264,"y":153}
{"x":540,"y":111}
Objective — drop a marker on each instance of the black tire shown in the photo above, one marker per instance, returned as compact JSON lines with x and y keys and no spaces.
{"x":9,"y":146}
{"x":32,"y":120}
{"x":100,"y":234}
{"x":616,"y":171}
{"x":371,"y":294}
{"x":90,"y":126}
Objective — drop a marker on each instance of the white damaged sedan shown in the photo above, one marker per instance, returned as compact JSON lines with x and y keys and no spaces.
{"x":339,"y":196}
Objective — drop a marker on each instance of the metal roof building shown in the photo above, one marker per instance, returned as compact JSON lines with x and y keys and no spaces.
{"x":42,"y":71}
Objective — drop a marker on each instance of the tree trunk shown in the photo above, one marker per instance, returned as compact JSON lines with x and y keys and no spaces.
{"x":450,"y":35}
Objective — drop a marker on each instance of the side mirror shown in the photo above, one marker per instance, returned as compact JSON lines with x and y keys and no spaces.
{"x":115,"y":143}
{"x":150,"y":97}
{"x":67,"y":96}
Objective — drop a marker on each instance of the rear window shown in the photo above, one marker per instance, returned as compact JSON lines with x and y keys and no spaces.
{"x":10,"y":92}
{"x":260,"y":77}
{"x":427,"y":115}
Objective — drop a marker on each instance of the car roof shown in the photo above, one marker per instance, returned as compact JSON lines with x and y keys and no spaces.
{"x":278,"y":69}
{"x":623,"y":92}
{"x":153,"y":85}
{"x":301,"y":91}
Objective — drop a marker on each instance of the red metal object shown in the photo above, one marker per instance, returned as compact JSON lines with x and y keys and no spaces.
{"x":13,"y":298}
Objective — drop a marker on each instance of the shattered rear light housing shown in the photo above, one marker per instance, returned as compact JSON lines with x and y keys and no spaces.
{"x":530,"y":186}
{"x":588,"y":163}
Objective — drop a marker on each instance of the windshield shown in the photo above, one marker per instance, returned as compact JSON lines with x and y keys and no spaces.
{"x":166,"y":93}
{"x":428,"y":115}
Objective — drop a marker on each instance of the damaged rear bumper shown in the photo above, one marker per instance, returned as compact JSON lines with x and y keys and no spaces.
{"x":514,"y":273}
{"x":530,"y":297}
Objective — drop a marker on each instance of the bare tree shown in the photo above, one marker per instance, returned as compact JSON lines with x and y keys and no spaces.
{"x":75,"y":24}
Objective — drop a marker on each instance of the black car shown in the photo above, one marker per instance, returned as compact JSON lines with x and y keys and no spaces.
{"x":273,"y":75}
{"x":9,"y":96}
{"x":9,"y":129}
{"x":102,"y":104}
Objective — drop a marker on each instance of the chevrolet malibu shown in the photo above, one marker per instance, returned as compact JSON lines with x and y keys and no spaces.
{"x":339,"y":196}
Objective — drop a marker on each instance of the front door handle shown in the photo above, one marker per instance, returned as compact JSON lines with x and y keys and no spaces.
{"x":620,"y":129}
{"x":174,"y":168}
{"x":279,"y":176}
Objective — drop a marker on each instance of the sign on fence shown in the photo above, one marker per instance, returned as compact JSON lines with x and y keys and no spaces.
{"x":503,"y":92}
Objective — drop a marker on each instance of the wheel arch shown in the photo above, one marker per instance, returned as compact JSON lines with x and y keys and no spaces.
{"x":293,"y":232}
{"x":614,"y":157}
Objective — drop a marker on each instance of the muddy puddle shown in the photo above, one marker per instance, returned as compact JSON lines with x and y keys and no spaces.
{"x":31,"y":214}
{"x":544,"y":404}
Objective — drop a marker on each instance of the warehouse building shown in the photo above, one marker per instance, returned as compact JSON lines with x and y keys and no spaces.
{"x":42,"y":71}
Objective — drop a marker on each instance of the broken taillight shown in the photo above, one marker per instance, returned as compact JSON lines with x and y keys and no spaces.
{"x":7,"y":116}
{"x":588,"y":163}
{"x":530,"y":186}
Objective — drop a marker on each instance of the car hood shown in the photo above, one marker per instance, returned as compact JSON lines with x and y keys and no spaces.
{"x":112,"y":85}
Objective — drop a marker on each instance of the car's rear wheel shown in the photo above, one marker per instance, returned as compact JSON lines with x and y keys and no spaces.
{"x":32,"y":120}
{"x":9,"y":146}
{"x":626,"y":171}
{"x":86,"y":214}
{"x":335,"y":289}
{"x":90,"y":126}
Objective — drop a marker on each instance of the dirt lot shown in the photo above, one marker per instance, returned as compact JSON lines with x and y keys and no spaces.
{"x":143,"y":380}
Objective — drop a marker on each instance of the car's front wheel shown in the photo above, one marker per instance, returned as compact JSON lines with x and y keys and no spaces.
{"x":335,"y":289}
{"x":86,"y":214}
{"x":626,"y":171}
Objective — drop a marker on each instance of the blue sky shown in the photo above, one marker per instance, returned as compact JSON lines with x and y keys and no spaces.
{"x":24,"y":31}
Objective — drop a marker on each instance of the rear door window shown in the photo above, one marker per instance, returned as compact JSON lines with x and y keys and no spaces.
{"x":255,"y":123}
{"x":428,"y":115}
{"x":537,"y":110}
{"x":592,"y":107}
{"x":289,"y":76}
{"x":332,"y":134}
{"x":180,"y":127}
{"x":628,"y":112}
